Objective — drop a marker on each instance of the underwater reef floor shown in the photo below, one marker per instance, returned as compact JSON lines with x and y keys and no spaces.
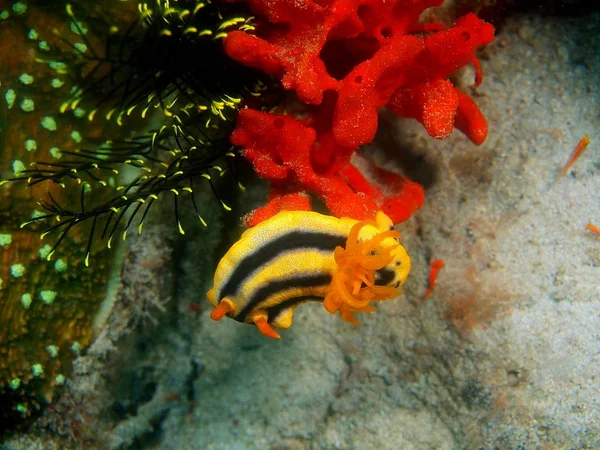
{"x":504,"y":353}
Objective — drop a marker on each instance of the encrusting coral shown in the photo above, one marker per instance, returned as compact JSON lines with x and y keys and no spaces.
{"x":46,"y":306}
{"x":346,"y":59}
{"x":71,"y":86}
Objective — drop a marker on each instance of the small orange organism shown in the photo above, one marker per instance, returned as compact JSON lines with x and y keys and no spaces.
{"x":593,"y":228}
{"x":434,"y":268}
{"x":581,"y":146}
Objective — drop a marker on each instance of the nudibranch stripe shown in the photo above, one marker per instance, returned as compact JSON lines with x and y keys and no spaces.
{"x":299,"y":256}
{"x":270,"y":251}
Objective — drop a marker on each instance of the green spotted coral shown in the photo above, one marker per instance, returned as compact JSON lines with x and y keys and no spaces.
{"x":167,"y":131}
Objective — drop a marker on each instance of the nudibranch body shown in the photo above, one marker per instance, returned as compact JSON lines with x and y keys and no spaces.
{"x":299,"y":256}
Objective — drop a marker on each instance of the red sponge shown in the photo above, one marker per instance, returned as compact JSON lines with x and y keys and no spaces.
{"x":349,"y":58}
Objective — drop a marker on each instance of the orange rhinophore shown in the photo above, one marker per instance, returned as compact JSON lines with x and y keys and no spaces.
{"x":593,"y":228}
{"x":435,"y":267}
{"x":581,"y":146}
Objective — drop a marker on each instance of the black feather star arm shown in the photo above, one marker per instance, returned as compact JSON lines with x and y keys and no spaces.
{"x":167,"y":67}
{"x":170,"y":55}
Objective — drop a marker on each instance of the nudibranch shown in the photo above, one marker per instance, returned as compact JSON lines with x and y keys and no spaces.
{"x":300,"y":256}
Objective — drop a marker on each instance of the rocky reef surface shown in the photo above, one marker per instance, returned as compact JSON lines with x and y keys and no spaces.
{"x":503,"y":354}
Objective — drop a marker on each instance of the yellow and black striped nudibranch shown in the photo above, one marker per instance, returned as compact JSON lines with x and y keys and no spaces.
{"x":300,"y":256}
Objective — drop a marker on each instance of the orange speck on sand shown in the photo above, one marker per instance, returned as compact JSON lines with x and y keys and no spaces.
{"x":558,"y":134}
{"x":593,"y":228}
{"x":581,"y":146}
{"x":195,"y":307}
{"x":434,"y":268}
{"x":478,"y":72}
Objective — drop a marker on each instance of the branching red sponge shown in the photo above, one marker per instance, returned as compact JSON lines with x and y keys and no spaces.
{"x":279,"y":149}
{"x":349,"y":58}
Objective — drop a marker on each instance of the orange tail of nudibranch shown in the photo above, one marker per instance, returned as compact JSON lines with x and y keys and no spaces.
{"x":225,"y":306}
